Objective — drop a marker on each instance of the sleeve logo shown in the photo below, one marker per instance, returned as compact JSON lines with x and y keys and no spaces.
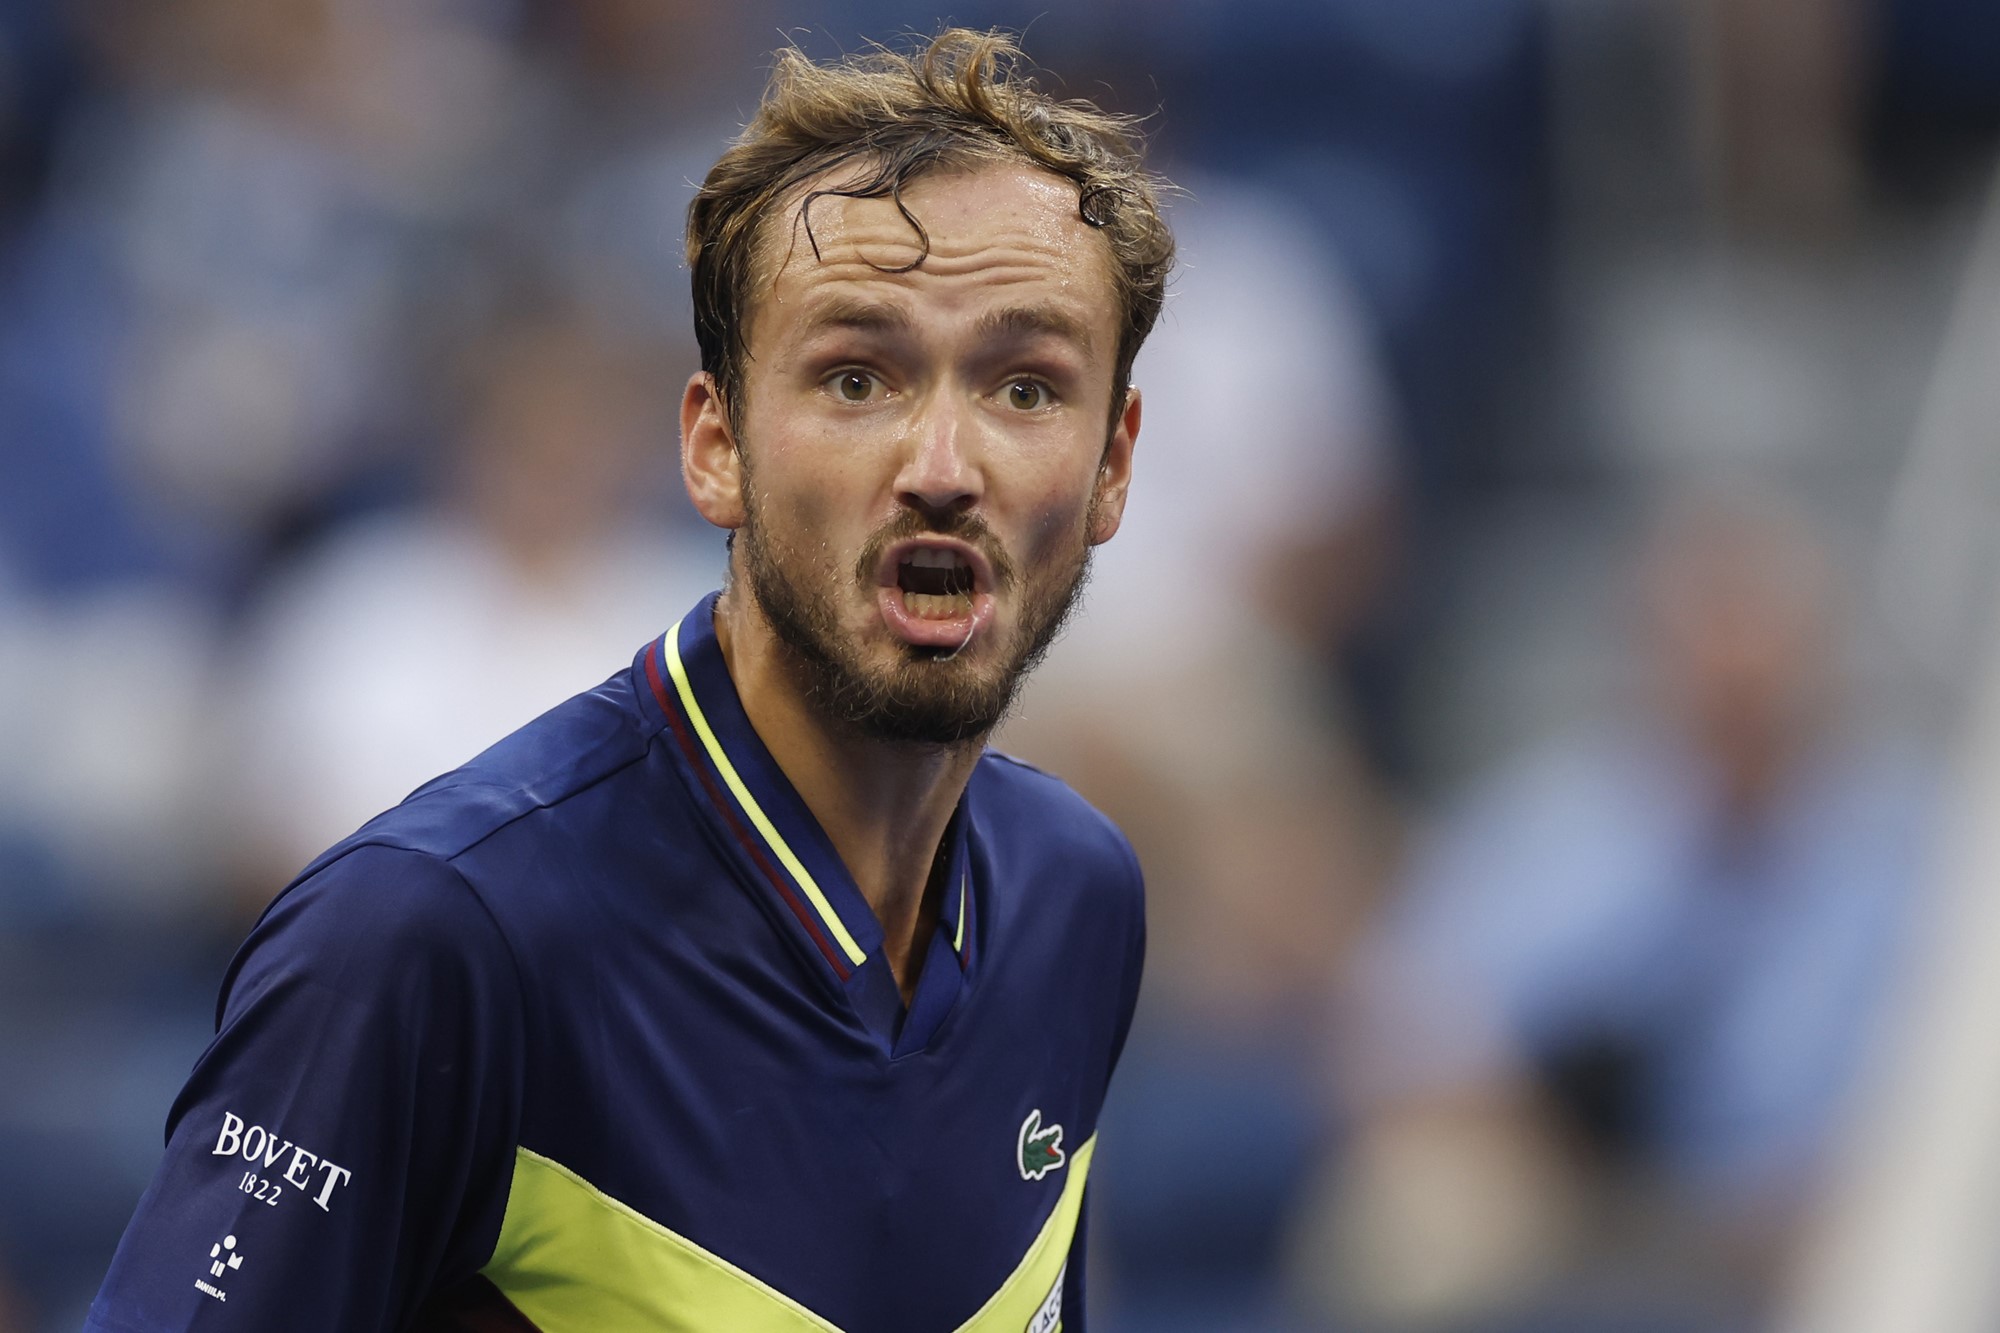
{"x":307,"y":1172}
{"x":222,"y":1261}
{"x":1039,"y":1151}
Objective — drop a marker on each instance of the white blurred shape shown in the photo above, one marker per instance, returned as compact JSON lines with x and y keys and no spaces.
{"x":409,"y":645}
{"x":1264,"y":424}
{"x":101,"y":728}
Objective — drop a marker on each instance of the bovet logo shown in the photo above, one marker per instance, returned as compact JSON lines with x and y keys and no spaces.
{"x":254,"y":1143}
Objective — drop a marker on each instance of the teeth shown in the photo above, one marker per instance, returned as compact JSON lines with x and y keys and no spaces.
{"x":930,"y":557}
{"x":936,"y":606}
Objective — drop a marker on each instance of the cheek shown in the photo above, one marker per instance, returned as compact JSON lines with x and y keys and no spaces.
{"x":803,"y":488}
{"x":796,"y":521}
{"x":1055,"y":528}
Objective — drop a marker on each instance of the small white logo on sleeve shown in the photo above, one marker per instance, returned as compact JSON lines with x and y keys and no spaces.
{"x":220,"y":1264}
{"x":1049,"y":1318}
{"x":309,"y":1173}
{"x":222,"y":1261}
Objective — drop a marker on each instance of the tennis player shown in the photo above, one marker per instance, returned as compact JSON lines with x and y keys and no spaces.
{"x":747,"y":991}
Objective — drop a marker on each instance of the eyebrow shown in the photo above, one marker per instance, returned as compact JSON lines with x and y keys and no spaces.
{"x":861,"y":316}
{"x":1023,"y":322}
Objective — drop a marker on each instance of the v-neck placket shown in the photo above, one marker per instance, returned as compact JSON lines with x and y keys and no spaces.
{"x":781,"y":850}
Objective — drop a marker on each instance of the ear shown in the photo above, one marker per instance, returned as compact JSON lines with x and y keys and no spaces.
{"x":1114,"y":474}
{"x":710,"y":465}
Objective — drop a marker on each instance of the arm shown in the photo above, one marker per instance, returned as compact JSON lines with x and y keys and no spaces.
{"x":340,"y":1150}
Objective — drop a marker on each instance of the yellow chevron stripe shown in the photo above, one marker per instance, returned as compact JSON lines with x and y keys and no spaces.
{"x":958,"y":935}
{"x":575,"y":1260}
{"x":798,"y":872}
{"x":1024,"y":1293}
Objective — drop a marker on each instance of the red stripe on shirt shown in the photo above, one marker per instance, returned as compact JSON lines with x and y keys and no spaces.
{"x":805,"y":914}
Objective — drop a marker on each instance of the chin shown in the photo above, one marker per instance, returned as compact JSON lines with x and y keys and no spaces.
{"x":924,"y":699}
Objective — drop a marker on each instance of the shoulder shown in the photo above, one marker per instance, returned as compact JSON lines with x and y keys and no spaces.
{"x":1026,"y":796}
{"x":537,"y":769}
{"x":1069,"y":893}
{"x":405,"y":882}
{"x":1053,"y":834}
{"x":373,"y":924}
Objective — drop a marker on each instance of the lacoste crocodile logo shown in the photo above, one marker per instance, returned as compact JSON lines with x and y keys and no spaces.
{"x":1039,"y":1151}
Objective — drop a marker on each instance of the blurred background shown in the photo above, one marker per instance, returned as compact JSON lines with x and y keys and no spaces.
{"x":1563,"y":541}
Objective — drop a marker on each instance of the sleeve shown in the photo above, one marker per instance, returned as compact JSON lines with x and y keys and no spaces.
{"x":1073,"y":1315}
{"x":342,"y":1148}
{"x":1135,"y":960}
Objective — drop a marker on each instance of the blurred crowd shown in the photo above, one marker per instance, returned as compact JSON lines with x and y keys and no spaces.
{"x":1491,"y":672}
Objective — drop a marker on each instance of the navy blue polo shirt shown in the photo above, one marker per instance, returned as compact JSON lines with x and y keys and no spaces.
{"x":596,"y":1033}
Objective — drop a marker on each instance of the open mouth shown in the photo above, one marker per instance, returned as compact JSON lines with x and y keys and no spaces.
{"x":937,"y":583}
{"x":936,"y":592}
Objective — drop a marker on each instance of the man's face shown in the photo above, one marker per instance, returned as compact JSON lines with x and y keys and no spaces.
{"x":924,"y":460}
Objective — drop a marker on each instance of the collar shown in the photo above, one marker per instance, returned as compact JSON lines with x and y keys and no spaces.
{"x":783,"y":849}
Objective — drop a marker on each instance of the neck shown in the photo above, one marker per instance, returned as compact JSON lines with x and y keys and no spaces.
{"x":884,"y":806}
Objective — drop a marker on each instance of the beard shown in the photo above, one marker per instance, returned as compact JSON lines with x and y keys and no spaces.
{"x":927,"y":696}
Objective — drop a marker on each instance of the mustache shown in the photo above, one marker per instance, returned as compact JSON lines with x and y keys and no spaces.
{"x":968,"y":528}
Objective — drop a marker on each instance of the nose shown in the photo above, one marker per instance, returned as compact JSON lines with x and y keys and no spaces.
{"x":941,"y":473}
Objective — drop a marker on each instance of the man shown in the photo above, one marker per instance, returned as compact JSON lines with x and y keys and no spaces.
{"x":1597,"y":1047}
{"x":745,"y":992}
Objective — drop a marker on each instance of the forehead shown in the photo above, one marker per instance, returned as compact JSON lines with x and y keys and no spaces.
{"x":996,"y":233}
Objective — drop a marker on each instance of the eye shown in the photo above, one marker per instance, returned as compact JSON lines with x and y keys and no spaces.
{"x":854,"y":386}
{"x":1027,"y":395}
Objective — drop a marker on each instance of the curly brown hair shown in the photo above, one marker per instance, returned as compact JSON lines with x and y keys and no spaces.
{"x":966,"y":98}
